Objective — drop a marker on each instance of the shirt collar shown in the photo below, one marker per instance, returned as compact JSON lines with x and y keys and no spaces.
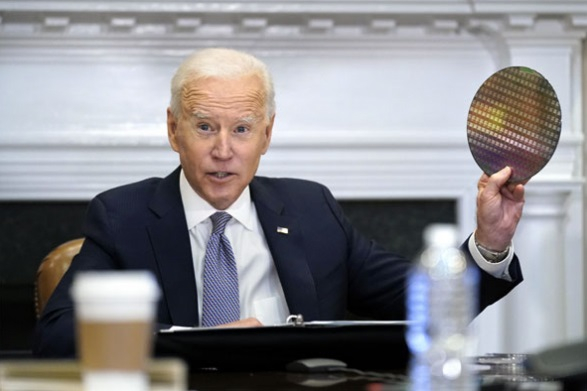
{"x":197,"y":209}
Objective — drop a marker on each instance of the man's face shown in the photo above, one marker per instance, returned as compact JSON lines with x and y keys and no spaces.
{"x":221,"y":135}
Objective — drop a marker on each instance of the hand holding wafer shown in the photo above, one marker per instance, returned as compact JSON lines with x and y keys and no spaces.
{"x":499,"y":209}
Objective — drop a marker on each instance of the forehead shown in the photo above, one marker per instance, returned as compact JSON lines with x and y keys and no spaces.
{"x":243,"y":91}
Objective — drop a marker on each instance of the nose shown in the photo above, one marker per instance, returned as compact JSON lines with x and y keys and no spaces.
{"x":222,"y":145}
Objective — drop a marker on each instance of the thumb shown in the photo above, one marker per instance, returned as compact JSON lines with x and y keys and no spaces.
{"x":498,"y":179}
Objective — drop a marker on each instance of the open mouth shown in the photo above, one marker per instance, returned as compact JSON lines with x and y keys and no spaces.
{"x":220,"y":174}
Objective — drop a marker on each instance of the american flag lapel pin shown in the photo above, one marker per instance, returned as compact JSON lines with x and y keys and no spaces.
{"x":282,"y":230}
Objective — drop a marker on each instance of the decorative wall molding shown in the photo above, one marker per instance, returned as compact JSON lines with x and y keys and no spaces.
{"x":275,"y":20}
{"x":305,"y":6}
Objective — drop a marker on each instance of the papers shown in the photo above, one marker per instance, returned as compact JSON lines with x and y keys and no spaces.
{"x":347,"y":323}
{"x":297,"y":321}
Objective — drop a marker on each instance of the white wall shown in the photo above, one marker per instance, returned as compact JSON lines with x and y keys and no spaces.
{"x":372,"y":101}
{"x":584,"y":171}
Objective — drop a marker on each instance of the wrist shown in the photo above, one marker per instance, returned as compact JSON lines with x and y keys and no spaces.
{"x":492,"y":256}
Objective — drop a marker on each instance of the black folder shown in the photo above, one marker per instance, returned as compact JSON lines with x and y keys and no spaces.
{"x":366,"y":345}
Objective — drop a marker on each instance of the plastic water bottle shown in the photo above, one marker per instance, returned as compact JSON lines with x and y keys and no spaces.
{"x":441,"y":300}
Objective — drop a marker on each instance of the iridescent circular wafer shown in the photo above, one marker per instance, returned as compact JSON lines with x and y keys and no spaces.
{"x":514,"y":120}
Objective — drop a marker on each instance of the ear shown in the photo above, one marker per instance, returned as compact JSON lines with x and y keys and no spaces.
{"x":172,"y":130}
{"x":268,"y":133}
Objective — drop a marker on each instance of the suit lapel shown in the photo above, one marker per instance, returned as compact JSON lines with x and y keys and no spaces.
{"x":171,"y":244}
{"x":285,"y":240}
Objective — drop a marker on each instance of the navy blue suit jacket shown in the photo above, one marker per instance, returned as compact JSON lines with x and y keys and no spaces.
{"x":325,"y":266}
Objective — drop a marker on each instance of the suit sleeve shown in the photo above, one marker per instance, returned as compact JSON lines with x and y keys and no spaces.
{"x":378,"y":278}
{"x":55,"y":331}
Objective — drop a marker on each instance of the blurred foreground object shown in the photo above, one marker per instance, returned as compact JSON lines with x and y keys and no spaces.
{"x":441,"y":299}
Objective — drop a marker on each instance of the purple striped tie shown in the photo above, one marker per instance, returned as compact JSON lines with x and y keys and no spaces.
{"x":221,"y":300}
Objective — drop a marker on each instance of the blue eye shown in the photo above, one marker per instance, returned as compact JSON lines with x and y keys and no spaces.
{"x":204,"y":127}
{"x":241,"y":129}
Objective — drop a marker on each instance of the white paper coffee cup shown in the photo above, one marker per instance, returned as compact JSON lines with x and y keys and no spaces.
{"x":115,"y":311}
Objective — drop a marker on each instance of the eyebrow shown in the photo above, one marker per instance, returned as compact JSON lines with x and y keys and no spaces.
{"x":200,"y":115}
{"x":249,"y":119}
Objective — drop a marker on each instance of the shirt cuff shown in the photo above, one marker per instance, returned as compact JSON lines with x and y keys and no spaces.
{"x":497,"y":270}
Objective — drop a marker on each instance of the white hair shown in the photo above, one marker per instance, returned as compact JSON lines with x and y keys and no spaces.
{"x":224,"y":63}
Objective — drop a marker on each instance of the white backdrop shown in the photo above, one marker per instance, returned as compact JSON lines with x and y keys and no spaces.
{"x":372,"y":101}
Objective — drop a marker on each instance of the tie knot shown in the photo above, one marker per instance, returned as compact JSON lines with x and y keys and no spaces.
{"x":219,"y":220}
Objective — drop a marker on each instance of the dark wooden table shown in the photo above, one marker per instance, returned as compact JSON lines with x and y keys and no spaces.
{"x":276,"y":380}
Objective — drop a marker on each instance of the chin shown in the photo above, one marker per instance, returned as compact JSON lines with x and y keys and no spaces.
{"x":224,"y":196}
{"x":222,"y":203}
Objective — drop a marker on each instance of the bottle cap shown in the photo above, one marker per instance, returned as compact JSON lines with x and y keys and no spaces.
{"x":440,"y":234}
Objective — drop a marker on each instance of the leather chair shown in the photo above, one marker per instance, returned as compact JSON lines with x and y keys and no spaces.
{"x":52,"y":269}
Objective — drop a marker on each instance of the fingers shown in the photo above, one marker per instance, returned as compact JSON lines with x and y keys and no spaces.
{"x":498,"y":179}
{"x":248,"y":322}
{"x":482,"y":181}
{"x":518,"y":192}
{"x":515,"y":191}
{"x":495,"y":182}
{"x":501,"y":177}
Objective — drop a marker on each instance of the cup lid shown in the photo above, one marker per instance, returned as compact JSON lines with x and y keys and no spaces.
{"x":115,"y":285}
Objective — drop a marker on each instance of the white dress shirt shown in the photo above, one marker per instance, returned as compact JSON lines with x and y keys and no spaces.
{"x":260,"y":291}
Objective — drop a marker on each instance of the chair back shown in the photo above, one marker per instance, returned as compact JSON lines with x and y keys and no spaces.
{"x":52,"y":269}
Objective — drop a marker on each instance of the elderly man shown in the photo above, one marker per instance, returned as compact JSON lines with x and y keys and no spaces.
{"x":284,"y":245}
